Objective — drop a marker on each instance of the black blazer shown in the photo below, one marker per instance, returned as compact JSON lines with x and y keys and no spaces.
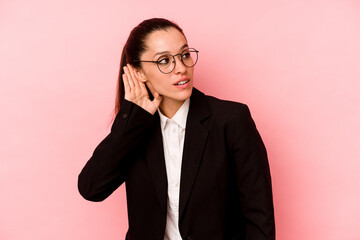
{"x":225,"y":187}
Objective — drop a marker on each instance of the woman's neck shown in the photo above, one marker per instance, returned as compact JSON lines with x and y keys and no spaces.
{"x":169,"y":107}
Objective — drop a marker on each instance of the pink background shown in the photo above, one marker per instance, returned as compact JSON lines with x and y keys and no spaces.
{"x":295,"y":63}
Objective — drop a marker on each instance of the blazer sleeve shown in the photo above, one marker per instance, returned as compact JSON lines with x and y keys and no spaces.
{"x":107,"y":169}
{"x":253,"y":178}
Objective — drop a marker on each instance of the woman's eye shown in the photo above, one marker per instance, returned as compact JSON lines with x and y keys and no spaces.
{"x":186,"y":55}
{"x":164,"y":60}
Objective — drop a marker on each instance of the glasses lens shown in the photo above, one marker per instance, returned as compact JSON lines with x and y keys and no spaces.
{"x":166,"y":63}
{"x":189,"y":57}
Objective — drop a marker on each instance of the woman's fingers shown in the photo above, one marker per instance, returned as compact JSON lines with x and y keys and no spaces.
{"x":136,"y":92}
{"x":126,"y":84}
{"x":132,"y":74}
{"x":129,"y":78}
{"x":138,"y":86}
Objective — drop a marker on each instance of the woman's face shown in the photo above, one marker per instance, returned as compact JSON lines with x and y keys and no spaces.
{"x":160,"y":43}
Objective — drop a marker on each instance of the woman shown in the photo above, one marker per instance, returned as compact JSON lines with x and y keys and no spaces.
{"x":195,"y":167}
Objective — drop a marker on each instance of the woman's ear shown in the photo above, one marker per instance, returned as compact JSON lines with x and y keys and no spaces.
{"x":140,"y":75}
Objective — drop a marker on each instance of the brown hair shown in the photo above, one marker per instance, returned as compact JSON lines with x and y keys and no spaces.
{"x":135,"y":46}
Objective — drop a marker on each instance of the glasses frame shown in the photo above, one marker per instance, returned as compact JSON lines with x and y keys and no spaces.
{"x":174,"y":61}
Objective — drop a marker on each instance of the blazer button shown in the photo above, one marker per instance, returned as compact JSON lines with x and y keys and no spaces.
{"x":125,"y":115}
{"x":189,"y":238}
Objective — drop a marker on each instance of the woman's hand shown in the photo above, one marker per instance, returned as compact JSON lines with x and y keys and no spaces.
{"x":136,"y":92}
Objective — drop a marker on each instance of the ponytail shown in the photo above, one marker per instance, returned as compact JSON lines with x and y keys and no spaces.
{"x":120,"y":93}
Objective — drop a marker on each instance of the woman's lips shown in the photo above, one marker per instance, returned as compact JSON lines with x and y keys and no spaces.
{"x":182,"y":81}
{"x":183,"y":84}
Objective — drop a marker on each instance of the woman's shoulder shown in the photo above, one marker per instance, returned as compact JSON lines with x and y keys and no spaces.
{"x":222,"y":108}
{"x":218,"y":102}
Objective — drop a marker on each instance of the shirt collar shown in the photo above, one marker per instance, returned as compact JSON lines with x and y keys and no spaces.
{"x":179,"y":117}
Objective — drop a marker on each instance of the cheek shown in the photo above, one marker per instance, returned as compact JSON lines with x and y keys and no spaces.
{"x":160,"y":84}
{"x":158,"y":80}
{"x":151,"y":76}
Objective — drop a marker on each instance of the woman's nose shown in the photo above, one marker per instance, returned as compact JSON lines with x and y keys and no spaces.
{"x":179,"y":65}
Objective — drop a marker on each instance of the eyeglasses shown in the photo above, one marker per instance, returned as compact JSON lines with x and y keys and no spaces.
{"x":166,"y":63}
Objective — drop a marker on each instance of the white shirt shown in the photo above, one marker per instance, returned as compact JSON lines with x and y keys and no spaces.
{"x":173,"y":134}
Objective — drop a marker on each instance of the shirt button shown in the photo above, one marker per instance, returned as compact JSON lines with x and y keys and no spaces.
{"x":173,"y":130}
{"x":177,"y":184}
{"x":173,"y":157}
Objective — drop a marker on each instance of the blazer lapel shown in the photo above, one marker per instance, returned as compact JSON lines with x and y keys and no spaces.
{"x":195,"y":139}
{"x":156,"y":164}
{"x":194,"y":143}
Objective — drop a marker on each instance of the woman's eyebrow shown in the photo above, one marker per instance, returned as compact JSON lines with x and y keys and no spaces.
{"x":167,"y":52}
{"x":184,"y":46}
